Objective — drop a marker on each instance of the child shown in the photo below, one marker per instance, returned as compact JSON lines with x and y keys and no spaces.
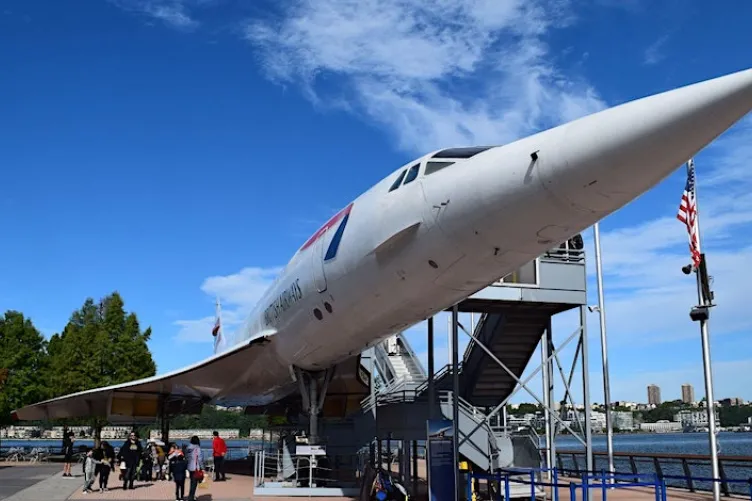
{"x":90,"y":466}
{"x":178,"y":467}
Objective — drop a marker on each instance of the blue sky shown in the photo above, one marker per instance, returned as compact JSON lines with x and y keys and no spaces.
{"x":177,"y":150}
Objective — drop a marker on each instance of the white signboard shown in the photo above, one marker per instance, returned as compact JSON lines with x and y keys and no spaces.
{"x":310,"y":450}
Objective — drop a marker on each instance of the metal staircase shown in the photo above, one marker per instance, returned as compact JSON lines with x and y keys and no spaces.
{"x":397,"y":364}
{"x":512,"y":334}
{"x":516,"y":311}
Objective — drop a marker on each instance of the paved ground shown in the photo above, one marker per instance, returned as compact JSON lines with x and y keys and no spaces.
{"x":34,"y":483}
{"x":236,"y":487}
{"x":44,"y":483}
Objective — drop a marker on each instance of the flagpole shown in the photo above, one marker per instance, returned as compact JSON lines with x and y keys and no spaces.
{"x":604,"y":350}
{"x":701,"y":313}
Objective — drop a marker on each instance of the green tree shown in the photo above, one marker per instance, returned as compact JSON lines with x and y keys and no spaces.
{"x":23,"y":360}
{"x":101,"y":345}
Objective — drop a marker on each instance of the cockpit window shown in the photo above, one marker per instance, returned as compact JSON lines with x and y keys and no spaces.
{"x":398,"y":181}
{"x":461,"y":152}
{"x":412,"y":173}
{"x":432,"y":167}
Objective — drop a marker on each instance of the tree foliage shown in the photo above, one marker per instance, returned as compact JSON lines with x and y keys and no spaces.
{"x":101,"y":345}
{"x":23,"y":362}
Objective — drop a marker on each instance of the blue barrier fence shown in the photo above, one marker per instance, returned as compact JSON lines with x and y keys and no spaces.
{"x":603,"y":480}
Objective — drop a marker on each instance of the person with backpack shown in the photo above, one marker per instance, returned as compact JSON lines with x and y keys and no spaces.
{"x":178,"y":466}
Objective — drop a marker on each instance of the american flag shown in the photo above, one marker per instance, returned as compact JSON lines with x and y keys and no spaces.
{"x":215,"y":330}
{"x":688,"y":213}
{"x":217,"y":324}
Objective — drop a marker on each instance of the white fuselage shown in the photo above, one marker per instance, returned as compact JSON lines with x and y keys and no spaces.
{"x":408,"y":253}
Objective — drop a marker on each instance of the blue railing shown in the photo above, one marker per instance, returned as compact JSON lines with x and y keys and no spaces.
{"x":688,"y":471}
{"x":601,"y":480}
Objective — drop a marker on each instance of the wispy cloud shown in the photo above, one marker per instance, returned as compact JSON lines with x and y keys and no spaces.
{"x":654,"y":54}
{"x":642,"y":262}
{"x":238,"y":294}
{"x":174,"y":13}
{"x":433,"y":74}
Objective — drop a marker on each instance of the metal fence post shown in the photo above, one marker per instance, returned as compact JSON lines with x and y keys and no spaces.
{"x":556,"y":485}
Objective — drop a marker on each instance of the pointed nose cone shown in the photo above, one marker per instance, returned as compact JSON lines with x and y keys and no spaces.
{"x":607,"y":159}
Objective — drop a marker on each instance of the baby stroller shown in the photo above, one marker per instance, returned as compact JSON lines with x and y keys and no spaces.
{"x":147,"y":465}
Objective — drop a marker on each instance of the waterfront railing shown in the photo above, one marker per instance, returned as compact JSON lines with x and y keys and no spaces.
{"x":689,"y":471}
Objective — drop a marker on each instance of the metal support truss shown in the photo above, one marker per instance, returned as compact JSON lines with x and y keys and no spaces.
{"x":550,"y":354}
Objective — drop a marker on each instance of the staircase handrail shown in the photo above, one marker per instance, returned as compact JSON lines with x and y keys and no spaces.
{"x":383,"y":362}
{"x":447,"y":369}
{"x":476,"y":414}
{"x":412,"y":354}
{"x":469,"y":348}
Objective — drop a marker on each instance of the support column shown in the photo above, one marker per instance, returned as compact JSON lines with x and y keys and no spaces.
{"x":415,"y":468}
{"x":545,"y":376}
{"x":455,"y":400}
{"x":586,"y":391}
{"x":551,"y":396}
{"x":431,"y":372}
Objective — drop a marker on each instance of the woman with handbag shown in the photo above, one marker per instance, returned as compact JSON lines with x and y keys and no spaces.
{"x":195,"y":463}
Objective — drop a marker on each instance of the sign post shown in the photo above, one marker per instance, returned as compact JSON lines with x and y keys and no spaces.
{"x":440,"y":455}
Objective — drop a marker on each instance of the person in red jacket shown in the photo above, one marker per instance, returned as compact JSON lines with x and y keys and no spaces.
{"x":219,"y":448}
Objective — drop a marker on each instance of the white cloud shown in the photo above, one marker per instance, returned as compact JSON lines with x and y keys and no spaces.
{"x":238,"y":294}
{"x":642,"y":262}
{"x":174,"y":13}
{"x":653,"y":53}
{"x":434,"y":74}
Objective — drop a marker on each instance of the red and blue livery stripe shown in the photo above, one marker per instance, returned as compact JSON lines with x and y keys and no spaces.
{"x":342,"y":216}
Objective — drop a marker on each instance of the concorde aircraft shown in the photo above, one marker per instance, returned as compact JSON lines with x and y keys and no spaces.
{"x":430,"y":234}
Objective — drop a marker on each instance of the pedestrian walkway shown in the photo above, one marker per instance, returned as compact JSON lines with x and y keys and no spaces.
{"x":36,"y":483}
{"x":236,"y":487}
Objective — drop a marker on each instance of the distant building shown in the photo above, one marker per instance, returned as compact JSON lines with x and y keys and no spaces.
{"x":661,"y":426}
{"x":623,"y":403}
{"x":623,"y":420}
{"x":200,"y":433}
{"x":728,"y":402}
{"x":654,"y":395}
{"x":597,"y":420}
{"x":688,"y":393}
{"x":695,"y":419}
{"x":21,"y":432}
{"x":115,"y":432}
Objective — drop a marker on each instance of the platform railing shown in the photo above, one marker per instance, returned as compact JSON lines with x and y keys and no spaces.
{"x":689,"y":471}
{"x":332,"y":470}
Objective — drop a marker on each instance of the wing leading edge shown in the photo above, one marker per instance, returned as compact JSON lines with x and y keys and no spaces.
{"x":247,"y":373}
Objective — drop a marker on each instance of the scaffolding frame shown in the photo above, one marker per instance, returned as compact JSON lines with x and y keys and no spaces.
{"x":550,"y":355}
